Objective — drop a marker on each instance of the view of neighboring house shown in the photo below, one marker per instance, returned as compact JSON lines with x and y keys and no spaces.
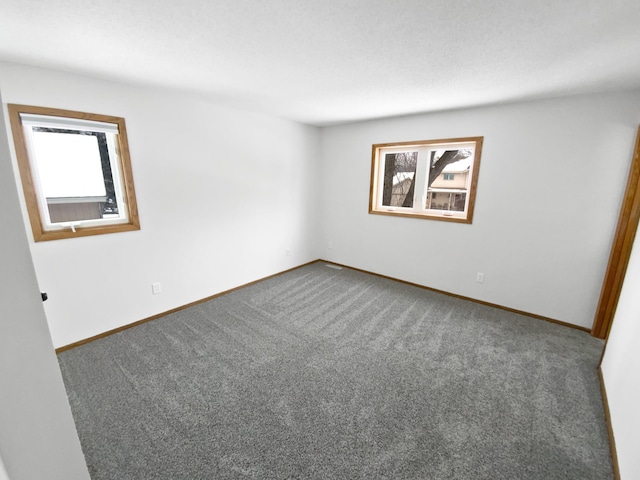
{"x":447,"y":192}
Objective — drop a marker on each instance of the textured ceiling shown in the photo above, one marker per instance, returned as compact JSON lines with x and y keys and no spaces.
{"x":330,"y":61}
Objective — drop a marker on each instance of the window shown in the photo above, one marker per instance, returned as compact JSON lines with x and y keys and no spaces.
{"x":426,"y":179}
{"x":75,"y":172}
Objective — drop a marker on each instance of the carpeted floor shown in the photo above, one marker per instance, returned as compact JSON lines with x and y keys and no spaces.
{"x":335,"y":374}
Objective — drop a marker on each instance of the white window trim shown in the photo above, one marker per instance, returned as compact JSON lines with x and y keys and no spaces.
{"x":29,"y":121}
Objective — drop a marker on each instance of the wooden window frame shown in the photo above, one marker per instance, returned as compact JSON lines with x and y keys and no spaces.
{"x":375,"y":184}
{"x":40,"y":233}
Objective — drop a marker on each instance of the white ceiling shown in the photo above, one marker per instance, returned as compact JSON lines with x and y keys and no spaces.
{"x":330,"y":61}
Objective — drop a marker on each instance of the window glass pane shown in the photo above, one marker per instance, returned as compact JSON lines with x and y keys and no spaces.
{"x":75,"y":174}
{"x":449,"y":201}
{"x":399,"y":179}
{"x":448,"y":182}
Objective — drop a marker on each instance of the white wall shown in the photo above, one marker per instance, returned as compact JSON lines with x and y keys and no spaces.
{"x":222,"y":195}
{"x":38,"y":439}
{"x":3,"y":472}
{"x":620,"y":370}
{"x":538,"y":254}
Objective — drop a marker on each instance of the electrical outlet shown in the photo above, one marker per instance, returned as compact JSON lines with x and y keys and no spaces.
{"x":329,"y":245}
{"x":288,"y":251}
{"x":156,"y":288}
{"x":480,"y":277}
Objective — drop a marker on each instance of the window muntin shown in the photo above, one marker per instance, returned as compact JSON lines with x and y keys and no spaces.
{"x":75,"y":172}
{"x":426,"y":179}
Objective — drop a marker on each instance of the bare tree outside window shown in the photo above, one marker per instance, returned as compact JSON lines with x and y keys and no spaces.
{"x":399,"y":179}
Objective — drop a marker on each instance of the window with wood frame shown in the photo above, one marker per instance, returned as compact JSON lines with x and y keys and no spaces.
{"x":75,"y":171}
{"x":433,"y":179}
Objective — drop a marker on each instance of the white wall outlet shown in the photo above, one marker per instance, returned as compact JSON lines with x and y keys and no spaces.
{"x":156,"y":288}
{"x":480,"y":277}
{"x":288,"y":252}
{"x":329,"y":245}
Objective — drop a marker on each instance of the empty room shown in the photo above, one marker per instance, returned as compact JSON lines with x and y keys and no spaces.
{"x":319,"y":240}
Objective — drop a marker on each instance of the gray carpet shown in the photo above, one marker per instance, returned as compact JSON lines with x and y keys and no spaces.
{"x":335,"y":374}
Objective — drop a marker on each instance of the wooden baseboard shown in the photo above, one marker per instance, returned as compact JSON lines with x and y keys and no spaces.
{"x":469,"y":299}
{"x":177,"y":309}
{"x":173,"y":310}
{"x":607,"y":416}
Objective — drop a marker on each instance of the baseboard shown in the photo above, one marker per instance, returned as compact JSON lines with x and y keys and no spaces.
{"x":182,"y":307}
{"x":607,"y":416}
{"x":469,"y":299}
{"x":173,"y":310}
